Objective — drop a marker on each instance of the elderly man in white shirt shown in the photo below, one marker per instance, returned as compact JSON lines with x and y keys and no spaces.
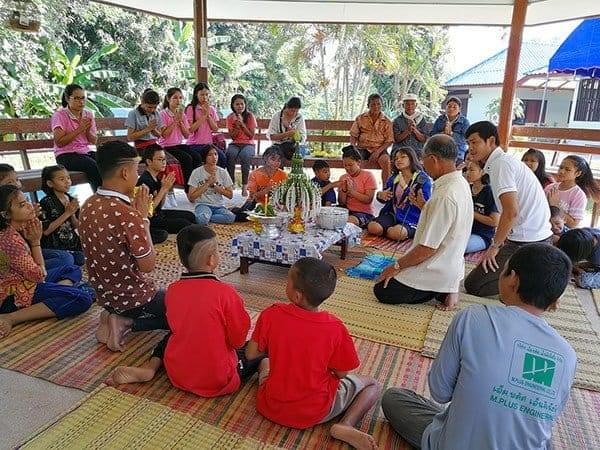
{"x":434,"y":265}
{"x":520,"y":198}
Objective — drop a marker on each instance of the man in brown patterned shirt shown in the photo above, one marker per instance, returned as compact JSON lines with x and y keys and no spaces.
{"x":372,"y":133}
{"x":115,"y":235}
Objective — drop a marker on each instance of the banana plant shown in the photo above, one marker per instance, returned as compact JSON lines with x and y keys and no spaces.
{"x":64,"y":69}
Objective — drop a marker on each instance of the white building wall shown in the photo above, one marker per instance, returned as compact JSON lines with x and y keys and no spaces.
{"x":479,"y":99}
{"x":557,"y":111}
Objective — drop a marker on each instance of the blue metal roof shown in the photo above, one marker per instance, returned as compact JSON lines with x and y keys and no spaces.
{"x":534,"y":59}
{"x":579,"y":54}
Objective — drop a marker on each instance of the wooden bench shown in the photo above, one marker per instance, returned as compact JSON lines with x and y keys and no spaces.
{"x":29,"y":136}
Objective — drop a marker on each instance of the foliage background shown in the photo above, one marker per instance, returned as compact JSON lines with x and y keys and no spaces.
{"x":116,"y":54}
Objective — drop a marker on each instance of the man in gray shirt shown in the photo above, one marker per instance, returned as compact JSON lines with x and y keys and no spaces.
{"x":504,"y":372}
{"x":410,"y":127}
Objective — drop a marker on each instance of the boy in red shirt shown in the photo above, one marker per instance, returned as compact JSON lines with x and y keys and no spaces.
{"x":204,"y":352}
{"x":305,"y":379}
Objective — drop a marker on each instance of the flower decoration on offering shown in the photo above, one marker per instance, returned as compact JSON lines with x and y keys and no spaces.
{"x":298,"y":192}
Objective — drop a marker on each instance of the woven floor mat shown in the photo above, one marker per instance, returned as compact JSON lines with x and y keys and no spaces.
{"x":109,"y":418}
{"x":66,"y":352}
{"x":569,"y":320}
{"x":391,"y":366}
{"x":353,"y":302}
{"x":400,"y":248}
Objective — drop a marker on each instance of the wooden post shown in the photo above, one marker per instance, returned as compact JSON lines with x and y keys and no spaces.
{"x":510,"y":71}
{"x":200,"y":40}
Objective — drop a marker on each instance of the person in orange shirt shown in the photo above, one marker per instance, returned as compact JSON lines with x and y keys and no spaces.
{"x":262,"y":181}
{"x":372,"y":133}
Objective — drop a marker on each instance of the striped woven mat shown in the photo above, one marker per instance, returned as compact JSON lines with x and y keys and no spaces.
{"x":569,"y":320}
{"x":353,"y":302}
{"x":109,"y":418}
{"x":66,"y":352}
{"x":157,"y":415}
{"x":399,"y":248}
{"x":236,"y":413}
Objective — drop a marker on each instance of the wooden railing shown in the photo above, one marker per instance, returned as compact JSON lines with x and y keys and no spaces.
{"x":556,"y":139}
{"x":23,"y":143}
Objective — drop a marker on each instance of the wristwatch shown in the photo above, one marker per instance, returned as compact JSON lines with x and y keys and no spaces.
{"x":495,"y":244}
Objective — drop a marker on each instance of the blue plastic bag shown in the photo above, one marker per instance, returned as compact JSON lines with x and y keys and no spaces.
{"x":371,"y":266}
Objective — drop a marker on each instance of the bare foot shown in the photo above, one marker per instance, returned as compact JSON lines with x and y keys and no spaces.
{"x":5,"y":327}
{"x":126,"y":375}
{"x":118,"y":327}
{"x":357,"y":439}
{"x":450,"y":302}
{"x":103,"y":330}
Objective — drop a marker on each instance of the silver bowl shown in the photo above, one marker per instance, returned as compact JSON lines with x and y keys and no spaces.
{"x":271,"y":225}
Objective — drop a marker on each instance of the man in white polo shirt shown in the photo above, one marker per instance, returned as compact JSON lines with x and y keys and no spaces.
{"x":524,"y":210}
{"x":434,"y":266}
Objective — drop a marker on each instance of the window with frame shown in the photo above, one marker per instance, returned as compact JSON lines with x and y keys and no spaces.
{"x":587,"y":108}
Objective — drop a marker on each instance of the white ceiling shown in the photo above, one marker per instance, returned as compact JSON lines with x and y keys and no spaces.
{"x":451,"y":12}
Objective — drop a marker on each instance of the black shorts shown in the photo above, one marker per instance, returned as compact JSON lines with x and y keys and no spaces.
{"x":389,"y":220}
{"x":363,"y":218}
{"x":366,"y":154}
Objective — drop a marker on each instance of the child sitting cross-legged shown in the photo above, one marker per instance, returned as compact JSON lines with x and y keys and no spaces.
{"x":305,"y":380}
{"x":498,"y":364}
{"x":204,"y":353}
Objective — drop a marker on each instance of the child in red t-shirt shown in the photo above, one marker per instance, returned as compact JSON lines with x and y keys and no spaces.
{"x":305,"y":381}
{"x":204,"y":353}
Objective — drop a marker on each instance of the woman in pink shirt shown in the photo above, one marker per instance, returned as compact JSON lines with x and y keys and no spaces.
{"x":175,"y":129}
{"x":357,"y":188}
{"x":74,"y":129}
{"x":241,"y":124}
{"x":203,"y":121}
{"x":575,"y":183}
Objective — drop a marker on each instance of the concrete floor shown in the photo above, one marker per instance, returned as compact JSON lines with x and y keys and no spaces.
{"x":27,"y":403}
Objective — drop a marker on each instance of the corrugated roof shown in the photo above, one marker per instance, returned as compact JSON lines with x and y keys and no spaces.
{"x":534,"y":59}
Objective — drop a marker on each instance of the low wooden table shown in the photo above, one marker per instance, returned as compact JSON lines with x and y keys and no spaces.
{"x":289,"y":248}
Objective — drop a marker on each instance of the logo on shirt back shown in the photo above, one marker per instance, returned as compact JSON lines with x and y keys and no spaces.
{"x":536,"y":369}
{"x":539,"y":370}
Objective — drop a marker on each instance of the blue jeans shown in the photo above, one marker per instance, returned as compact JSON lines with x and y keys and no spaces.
{"x":63,"y":301}
{"x":476,"y":244}
{"x":216,"y":214}
{"x":243,"y":153}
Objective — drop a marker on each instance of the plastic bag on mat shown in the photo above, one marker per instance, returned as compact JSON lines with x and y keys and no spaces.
{"x":371,"y":266}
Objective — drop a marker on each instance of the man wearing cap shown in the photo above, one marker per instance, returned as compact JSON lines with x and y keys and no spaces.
{"x":454,"y":124}
{"x":410,"y":127}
